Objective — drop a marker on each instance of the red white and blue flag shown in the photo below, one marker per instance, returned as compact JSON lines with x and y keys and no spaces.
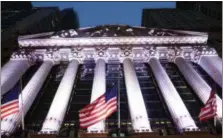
{"x":10,"y":102}
{"x":210,"y":108}
{"x":99,"y":109}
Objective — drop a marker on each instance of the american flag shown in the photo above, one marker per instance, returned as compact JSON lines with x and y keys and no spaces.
{"x":210,"y":108}
{"x":99,"y":109}
{"x":10,"y":102}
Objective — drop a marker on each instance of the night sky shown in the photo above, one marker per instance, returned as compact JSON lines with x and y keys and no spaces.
{"x":98,"y":13}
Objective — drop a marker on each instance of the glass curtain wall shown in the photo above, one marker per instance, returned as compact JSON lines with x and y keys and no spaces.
{"x":208,"y":79}
{"x":157,"y":111}
{"x":39,"y":109}
{"x":189,"y":97}
{"x":80,"y":97}
{"x":114,"y":75}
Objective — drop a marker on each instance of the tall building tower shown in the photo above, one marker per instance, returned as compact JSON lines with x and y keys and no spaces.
{"x":181,"y":19}
{"x":69,"y":19}
{"x":20,"y":18}
{"x":209,"y":8}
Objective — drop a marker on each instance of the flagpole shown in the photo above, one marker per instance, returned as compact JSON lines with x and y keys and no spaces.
{"x":215,"y":121}
{"x":23,"y":125}
{"x":119,"y":120}
{"x":215,"y":118}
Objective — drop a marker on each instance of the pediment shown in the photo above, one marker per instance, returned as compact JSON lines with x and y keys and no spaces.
{"x":114,"y":31}
{"x":113,"y":35}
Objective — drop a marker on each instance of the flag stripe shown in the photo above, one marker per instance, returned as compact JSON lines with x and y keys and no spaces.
{"x":15,"y":105}
{"x":101,"y":103}
{"x":9,"y":113}
{"x":8,"y":104}
{"x":99,"y":109}
{"x":93,"y":104}
{"x":210,"y":108}
{"x":110,"y":111}
{"x":208,"y":116}
{"x":99,"y":118}
{"x":94,"y":116}
{"x":96,"y":121}
{"x":89,"y":108}
{"x":90,"y":117}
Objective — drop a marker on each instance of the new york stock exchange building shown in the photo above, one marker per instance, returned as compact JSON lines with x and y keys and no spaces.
{"x":165,"y":78}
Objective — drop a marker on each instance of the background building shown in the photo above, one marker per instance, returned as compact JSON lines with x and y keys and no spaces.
{"x":181,"y":19}
{"x":210,"y":8}
{"x":69,"y":19}
{"x":20,"y":18}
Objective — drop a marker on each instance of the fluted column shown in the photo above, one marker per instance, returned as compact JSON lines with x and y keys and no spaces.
{"x":198,"y":84}
{"x":213,"y":66}
{"x":176,"y":107}
{"x":139,"y":117}
{"x":11,"y":72}
{"x":98,"y":89}
{"x":61,"y":99}
{"x":29,"y":93}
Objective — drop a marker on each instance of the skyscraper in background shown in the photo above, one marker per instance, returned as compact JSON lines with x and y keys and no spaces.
{"x":21,"y":18}
{"x":181,"y":19}
{"x":210,"y":8}
{"x":69,"y":19}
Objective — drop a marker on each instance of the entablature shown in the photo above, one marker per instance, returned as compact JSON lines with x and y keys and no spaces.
{"x":116,"y":53}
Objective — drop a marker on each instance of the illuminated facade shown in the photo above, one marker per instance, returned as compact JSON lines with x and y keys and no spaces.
{"x":165,"y":78}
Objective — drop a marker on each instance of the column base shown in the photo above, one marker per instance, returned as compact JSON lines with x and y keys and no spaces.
{"x":201,"y":134}
{"x":191,"y":134}
{"x":144,"y":135}
{"x":42,"y":135}
{"x":92,"y":135}
{"x":196,"y":133}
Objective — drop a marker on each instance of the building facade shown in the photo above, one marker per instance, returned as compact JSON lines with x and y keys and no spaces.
{"x":165,"y":76}
{"x":185,"y":19}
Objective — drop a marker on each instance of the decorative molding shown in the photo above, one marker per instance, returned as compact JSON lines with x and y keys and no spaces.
{"x":118,"y":53}
{"x":112,"y":41}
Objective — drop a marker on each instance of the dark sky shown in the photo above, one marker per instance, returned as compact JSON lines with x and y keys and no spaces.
{"x":98,"y":13}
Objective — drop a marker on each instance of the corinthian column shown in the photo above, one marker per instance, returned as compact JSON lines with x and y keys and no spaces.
{"x":10,"y":123}
{"x":139,"y":117}
{"x":61,"y":99}
{"x":176,"y":107}
{"x":198,"y":84}
{"x":213,"y":66}
{"x":11,"y":73}
{"x":98,"y":89}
